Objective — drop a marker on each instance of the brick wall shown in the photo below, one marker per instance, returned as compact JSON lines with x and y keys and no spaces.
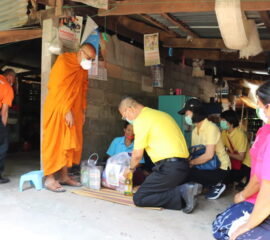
{"x":125,"y":66}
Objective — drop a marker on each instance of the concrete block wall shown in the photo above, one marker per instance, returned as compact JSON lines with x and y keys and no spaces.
{"x":125,"y":66}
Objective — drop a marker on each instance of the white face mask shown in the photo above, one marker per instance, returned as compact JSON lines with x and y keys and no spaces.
{"x":86,"y":64}
{"x":261,"y":115}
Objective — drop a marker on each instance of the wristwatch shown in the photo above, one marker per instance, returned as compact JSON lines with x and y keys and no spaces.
{"x":132,"y":169}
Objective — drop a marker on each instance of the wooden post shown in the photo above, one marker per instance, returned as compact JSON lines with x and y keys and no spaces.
{"x":47,"y":60}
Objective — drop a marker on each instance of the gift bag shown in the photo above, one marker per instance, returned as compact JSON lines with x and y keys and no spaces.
{"x":90,"y":173}
{"x":112,"y":176}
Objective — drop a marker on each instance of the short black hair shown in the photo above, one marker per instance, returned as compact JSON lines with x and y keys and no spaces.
{"x":126,"y":123}
{"x":263,"y":93}
{"x":199,"y":113}
{"x":231,"y":117}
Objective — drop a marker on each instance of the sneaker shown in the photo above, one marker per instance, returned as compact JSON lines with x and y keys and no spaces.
{"x":189,"y":192}
{"x":216,"y":191}
{"x":3,"y":180}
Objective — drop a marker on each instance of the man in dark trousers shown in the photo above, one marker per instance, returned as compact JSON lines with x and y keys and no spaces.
{"x":7,"y":79}
{"x":158,"y":134}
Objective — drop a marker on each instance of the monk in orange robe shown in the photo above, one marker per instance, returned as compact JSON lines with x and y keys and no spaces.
{"x":63,"y":116}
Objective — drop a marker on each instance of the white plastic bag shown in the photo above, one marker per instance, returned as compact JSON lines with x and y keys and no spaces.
{"x":112,"y":176}
{"x":90,"y":173}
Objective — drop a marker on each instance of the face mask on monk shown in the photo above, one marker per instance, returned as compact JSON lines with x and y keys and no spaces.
{"x":86,"y":64}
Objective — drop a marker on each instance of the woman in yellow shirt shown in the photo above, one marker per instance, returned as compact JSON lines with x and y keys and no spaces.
{"x":237,"y":145}
{"x":208,"y":134}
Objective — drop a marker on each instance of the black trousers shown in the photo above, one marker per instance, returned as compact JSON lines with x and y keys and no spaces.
{"x":160,"y":188}
{"x":238,"y":175}
{"x":3,"y":145}
{"x":207,"y":177}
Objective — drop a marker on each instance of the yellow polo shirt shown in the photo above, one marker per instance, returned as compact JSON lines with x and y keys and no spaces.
{"x":239,"y":140}
{"x":158,"y":133}
{"x":209,"y":134}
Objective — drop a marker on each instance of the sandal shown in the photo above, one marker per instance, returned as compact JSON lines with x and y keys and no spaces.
{"x":57,"y":189}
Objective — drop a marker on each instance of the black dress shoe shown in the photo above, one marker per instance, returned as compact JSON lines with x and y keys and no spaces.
{"x":4,"y":180}
{"x":189,"y":192}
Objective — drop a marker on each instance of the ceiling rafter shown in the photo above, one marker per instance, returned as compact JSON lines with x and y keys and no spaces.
{"x":182,"y":26}
{"x":142,"y":28}
{"x":204,"y":43}
{"x":128,"y":7}
{"x":158,"y":24}
{"x":19,"y":35}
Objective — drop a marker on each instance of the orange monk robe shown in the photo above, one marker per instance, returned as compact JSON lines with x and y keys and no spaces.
{"x":67,"y":88}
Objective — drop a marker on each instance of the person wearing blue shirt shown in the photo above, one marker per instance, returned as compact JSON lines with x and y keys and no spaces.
{"x":126,"y":144}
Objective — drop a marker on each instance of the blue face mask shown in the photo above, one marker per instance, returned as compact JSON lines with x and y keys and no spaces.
{"x":188,"y":120}
{"x":224,"y":125}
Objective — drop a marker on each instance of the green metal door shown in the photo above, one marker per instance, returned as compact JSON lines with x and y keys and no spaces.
{"x":171,"y":104}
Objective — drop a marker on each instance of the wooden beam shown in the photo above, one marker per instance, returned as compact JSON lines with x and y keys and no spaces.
{"x":47,"y":2}
{"x":58,"y":8}
{"x":205,"y":43}
{"x":142,"y":28}
{"x":128,"y":7}
{"x":158,"y":24}
{"x":266,"y":19}
{"x":19,"y":35}
{"x":183,"y":27}
{"x":213,"y":55}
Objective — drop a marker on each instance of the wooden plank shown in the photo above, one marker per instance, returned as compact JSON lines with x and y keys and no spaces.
{"x":128,"y":7}
{"x":156,"y":23}
{"x":47,"y":2}
{"x":205,"y":43}
{"x":51,"y":13}
{"x":212,"y":55}
{"x":184,"y":28}
{"x":19,"y":35}
{"x":58,"y":8}
{"x":142,"y":28}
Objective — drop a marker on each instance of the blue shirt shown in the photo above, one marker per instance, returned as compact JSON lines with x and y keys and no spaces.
{"x":118,"y":145}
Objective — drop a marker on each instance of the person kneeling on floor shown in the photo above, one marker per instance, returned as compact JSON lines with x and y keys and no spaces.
{"x":160,"y":136}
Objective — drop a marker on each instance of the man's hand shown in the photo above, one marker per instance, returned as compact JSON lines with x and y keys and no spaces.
{"x":69,"y":119}
{"x":126,"y":172}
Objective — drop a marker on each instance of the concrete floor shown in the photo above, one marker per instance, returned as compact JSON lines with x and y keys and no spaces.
{"x":32,"y":214}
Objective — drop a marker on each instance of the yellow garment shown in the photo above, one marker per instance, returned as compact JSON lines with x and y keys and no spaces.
{"x":158,"y":133}
{"x":209,"y":134}
{"x":67,"y":87}
{"x":239,"y":141}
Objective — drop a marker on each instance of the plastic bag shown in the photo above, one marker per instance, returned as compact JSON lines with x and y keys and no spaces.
{"x":112,"y":177}
{"x":90,"y":173}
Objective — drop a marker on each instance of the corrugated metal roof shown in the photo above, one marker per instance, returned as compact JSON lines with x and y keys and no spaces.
{"x":205,"y":23}
{"x":13,"y":13}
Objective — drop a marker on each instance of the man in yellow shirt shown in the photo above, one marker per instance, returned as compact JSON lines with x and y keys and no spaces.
{"x":158,"y":134}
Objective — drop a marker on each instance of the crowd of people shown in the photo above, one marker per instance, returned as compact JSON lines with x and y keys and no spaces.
{"x":219,"y":154}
